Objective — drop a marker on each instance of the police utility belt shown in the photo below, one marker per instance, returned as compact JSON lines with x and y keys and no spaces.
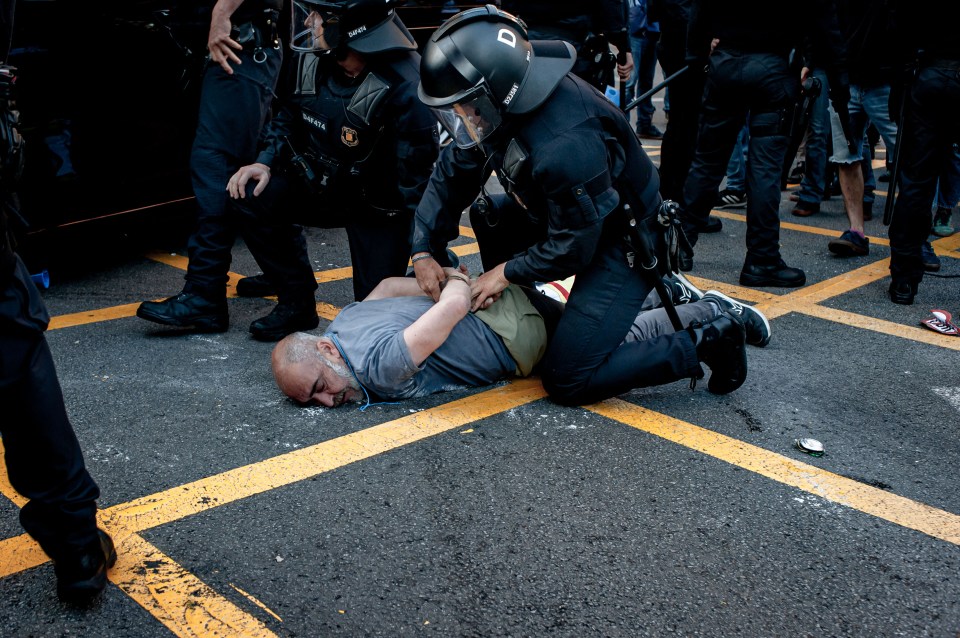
{"x":258,"y":34}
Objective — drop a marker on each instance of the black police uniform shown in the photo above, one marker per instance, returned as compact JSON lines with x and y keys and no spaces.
{"x":750,"y":71}
{"x":233,"y":110}
{"x":368,"y":144}
{"x":686,"y":91}
{"x":930,"y":53}
{"x":572,"y":166}
{"x":43,"y":457}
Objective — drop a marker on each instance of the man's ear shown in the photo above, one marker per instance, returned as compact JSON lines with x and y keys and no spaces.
{"x":328,"y":349}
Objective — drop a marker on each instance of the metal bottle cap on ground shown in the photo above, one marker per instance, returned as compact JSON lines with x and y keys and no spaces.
{"x":812,"y":447}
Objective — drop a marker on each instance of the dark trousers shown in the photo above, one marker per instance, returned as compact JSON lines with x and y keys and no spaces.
{"x":586,"y":360}
{"x":680,"y":137}
{"x":233,"y":108}
{"x":43,"y":457}
{"x":931,"y":128}
{"x":762,"y":85}
{"x":379,"y":243}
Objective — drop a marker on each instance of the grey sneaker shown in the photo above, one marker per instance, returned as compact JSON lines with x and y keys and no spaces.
{"x":757,"y":326}
{"x":683,"y":291}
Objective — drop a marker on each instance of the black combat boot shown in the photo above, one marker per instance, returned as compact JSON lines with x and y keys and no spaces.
{"x":82,"y":576}
{"x":256,"y":286}
{"x":286,"y":318}
{"x":187,"y":310}
{"x":721,"y":344}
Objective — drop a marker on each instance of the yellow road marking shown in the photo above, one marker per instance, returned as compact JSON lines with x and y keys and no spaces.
{"x":214,"y":491}
{"x":169,"y":592}
{"x":833,"y":487}
{"x":256,"y":602}
{"x":921,"y":335}
{"x":185,"y":605}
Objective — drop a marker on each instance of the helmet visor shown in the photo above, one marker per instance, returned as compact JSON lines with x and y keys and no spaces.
{"x":471,"y":119}
{"x":312,"y":27}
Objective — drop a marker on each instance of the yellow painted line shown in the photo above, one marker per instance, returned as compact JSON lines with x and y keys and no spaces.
{"x":833,"y":487}
{"x":6,"y":489}
{"x":466,"y":231}
{"x":19,"y":553}
{"x":843,"y":283}
{"x":751,"y":295}
{"x":466,"y":249}
{"x":177,"y":261}
{"x":921,"y":335}
{"x":334,"y":274}
{"x":327,"y":311}
{"x":803,"y":228}
{"x":256,"y":602}
{"x":185,"y":605}
{"x":93,"y":316}
{"x":204,"y":494}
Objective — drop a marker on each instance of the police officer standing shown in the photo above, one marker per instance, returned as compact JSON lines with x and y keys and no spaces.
{"x":43,"y":458}
{"x":238,"y":88}
{"x":928,"y":93}
{"x":350,"y":146}
{"x":751,"y":70}
{"x":576,"y":174}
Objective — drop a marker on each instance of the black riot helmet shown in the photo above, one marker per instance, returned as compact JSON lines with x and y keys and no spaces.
{"x":364,"y":26}
{"x":480,"y":65}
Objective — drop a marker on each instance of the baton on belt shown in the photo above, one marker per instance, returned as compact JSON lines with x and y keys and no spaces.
{"x":649,"y":265}
{"x":895,"y":172}
{"x":653,"y":90}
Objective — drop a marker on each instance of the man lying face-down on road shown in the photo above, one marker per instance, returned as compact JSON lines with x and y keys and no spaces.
{"x":398,"y":344}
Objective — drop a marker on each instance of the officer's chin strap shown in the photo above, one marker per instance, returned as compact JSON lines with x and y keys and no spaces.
{"x":668,"y":219}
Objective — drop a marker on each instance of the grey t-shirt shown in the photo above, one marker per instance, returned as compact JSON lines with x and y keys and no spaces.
{"x":370,"y":336}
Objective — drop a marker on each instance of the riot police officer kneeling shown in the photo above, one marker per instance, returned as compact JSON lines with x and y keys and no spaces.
{"x":352,"y":146}
{"x":575,"y":175}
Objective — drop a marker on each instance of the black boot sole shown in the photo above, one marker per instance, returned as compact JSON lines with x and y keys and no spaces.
{"x":203,"y":323}
{"x":276,"y":334}
{"x":770,"y":282}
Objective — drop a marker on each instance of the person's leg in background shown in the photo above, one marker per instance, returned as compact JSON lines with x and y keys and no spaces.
{"x":813,"y":182}
{"x":948,"y":195}
{"x":848,"y":156}
{"x":875,"y":104}
{"x":645,"y":67}
{"x":734,"y":193}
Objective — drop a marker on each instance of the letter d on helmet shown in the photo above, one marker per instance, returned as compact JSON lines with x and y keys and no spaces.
{"x":480,"y":66}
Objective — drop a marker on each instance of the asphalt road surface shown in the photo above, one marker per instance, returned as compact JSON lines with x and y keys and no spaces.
{"x":494,"y":512}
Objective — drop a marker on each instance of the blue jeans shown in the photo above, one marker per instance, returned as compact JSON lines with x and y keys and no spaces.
{"x":867,"y":104}
{"x":644,"y":52}
{"x":948,"y":187}
{"x":813,"y":184}
{"x":737,"y":166}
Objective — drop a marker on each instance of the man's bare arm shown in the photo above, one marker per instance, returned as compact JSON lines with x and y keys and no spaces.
{"x":428,"y":333}
{"x":396,"y":287}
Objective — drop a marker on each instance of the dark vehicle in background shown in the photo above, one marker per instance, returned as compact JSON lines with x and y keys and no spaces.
{"x":108,"y":95}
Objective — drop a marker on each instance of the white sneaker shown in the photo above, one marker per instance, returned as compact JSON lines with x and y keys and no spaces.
{"x":758,"y":328}
{"x":683,"y":291}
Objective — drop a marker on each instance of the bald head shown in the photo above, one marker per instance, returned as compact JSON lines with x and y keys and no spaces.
{"x":310,"y":370}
